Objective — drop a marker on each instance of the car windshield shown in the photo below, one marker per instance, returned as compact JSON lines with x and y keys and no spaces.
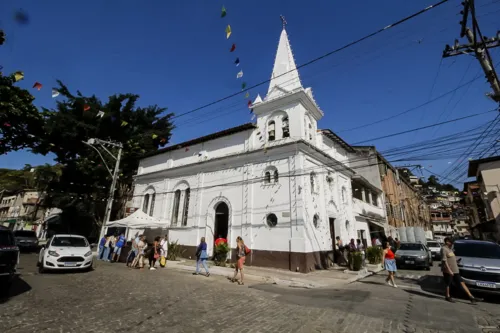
{"x":432,"y":244}
{"x":411,"y":247}
{"x":25,"y":233}
{"x":477,"y":250}
{"x":6,"y":238}
{"x":70,"y":241}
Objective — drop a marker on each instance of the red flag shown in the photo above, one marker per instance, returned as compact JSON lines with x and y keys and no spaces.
{"x":86,"y":107}
{"x":163,"y":140}
{"x":37,"y":85}
{"x":233,"y":48}
{"x":249,"y":104}
{"x":6,"y":124}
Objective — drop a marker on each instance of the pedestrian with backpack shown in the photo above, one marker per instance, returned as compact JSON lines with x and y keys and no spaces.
{"x":241,"y":252}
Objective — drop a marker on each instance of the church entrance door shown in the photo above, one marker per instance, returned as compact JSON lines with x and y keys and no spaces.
{"x":221,"y":227}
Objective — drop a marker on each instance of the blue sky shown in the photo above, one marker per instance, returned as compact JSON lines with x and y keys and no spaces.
{"x":174,"y":54}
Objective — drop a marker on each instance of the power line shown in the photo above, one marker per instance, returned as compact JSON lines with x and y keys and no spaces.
{"x":318,"y":58}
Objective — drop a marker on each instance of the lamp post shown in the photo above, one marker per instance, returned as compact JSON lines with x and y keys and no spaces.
{"x":102,"y":143}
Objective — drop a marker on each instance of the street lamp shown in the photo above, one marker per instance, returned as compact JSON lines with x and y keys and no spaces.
{"x":102,"y":143}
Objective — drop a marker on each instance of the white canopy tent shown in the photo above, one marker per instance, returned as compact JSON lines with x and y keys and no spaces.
{"x":137,"y":220}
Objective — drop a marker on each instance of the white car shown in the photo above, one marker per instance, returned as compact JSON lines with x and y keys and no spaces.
{"x":435,"y":248}
{"x":65,"y":252}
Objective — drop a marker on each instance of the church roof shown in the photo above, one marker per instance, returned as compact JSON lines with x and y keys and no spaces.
{"x":335,"y":138}
{"x":205,"y":138}
{"x":285,"y":75}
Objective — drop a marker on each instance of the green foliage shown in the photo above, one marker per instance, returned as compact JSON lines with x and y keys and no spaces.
{"x":20,"y":122}
{"x":355,"y":260}
{"x":220,"y":254}
{"x":374,"y":254}
{"x":174,"y":250}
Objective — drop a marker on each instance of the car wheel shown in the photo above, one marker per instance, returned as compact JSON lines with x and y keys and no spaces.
{"x":41,"y":269}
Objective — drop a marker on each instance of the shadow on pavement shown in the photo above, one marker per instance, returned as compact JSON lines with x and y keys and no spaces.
{"x":19,"y":286}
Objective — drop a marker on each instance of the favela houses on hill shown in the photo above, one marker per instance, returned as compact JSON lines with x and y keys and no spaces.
{"x":282,"y":183}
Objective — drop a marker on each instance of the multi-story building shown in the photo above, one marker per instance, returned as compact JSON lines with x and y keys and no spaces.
{"x":442,"y":223}
{"x":404,"y":204}
{"x":17,"y":209}
{"x":484,"y":197}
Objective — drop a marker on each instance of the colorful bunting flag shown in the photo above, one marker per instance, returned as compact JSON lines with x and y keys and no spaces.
{"x":243,"y":85}
{"x":239,"y":75}
{"x":223,"y":13}
{"x":247,"y":95}
{"x":100,"y":114}
{"x":154,"y":136}
{"x":18,"y":76}
{"x":86,"y":107}
{"x":2,"y":37}
{"x":21,"y":17}
{"x":51,"y":144}
{"x":55,"y":93}
{"x":228,"y":31}
{"x":6,"y":124}
{"x":253,"y":116}
{"x":187,"y":149}
{"x":237,"y":62}
{"x":250,"y":104}
{"x":124,"y":123}
{"x":163,"y":140}
{"x":37,"y":85}
{"x":233,"y":48}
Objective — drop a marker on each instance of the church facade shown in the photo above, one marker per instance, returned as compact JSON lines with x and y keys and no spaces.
{"x":281,"y":183}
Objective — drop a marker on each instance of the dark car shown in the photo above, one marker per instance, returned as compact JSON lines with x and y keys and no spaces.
{"x":479,"y":264}
{"x":26,"y":240}
{"x":9,"y":258}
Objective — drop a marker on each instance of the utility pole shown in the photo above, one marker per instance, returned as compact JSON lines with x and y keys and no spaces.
{"x":479,"y":45}
{"x":114,"y":175}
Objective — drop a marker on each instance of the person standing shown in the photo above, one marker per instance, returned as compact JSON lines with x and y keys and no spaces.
{"x":241,"y":252}
{"x":107,"y":246}
{"x":451,"y":273}
{"x":139,"y":258}
{"x":361,"y":248}
{"x":164,"y":251}
{"x":389,"y":264}
{"x":101,"y":248}
{"x":201,"y":257}
{"x":154,"y":253}
{"x":118,"y":247}
{"x":133,"y":251}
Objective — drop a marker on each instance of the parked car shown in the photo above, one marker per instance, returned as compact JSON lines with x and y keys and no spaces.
{"x":479,"y":264}
{"x":26,"y":240}
{"x":435,"y":249}
{"x":65,"y":252}
{"x":414,"y":255}
{"x":9,"y":259}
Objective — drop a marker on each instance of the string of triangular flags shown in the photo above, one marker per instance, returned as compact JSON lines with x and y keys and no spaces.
{"x":240,"y":74}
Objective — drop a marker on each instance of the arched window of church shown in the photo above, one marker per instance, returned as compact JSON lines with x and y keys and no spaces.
{"x":310,"y":132}
{"x":271,"y":130}
{"x":267,"y":177}
{"x":285,"y":127}
{"x":145,"y":203}
{"x":276,"y":176}
{"x":186,"y":207}
{"x":152,"y":208}
{"x":175,"y":210}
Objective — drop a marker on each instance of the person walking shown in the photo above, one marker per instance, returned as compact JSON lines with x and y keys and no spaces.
{"x":141,"y":248}
{"x":201,"y":257}
{"x":451,"y":273}
{"x":132,"y":254}
{"x":389,"y":264}
{"x":154,"y":253}
{"x":241,"y":252}
{"x":164,"y":251}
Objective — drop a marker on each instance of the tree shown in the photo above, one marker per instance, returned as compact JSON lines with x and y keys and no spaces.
{"x":84,"y":182}
{"x":433,"y":181}
{"x":20,"y":120}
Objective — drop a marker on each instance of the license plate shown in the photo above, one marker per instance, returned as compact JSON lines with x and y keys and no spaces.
{"x":409,"y":262}
{"x":486,"y":285}
{"x":70,"y":264}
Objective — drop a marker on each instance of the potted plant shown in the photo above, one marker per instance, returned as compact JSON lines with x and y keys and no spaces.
{"x":174,"y":250}
{"x":220,"y":254}
{"x":374,"y":255}
{"x":355,"y":260}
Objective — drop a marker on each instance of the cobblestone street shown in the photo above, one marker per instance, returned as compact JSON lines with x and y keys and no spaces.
{"x":113,"y":298}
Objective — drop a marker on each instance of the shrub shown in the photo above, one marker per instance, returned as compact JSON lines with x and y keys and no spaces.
{"x":355,"y":260}
{"x":374,"y":254}
{"x":174,"y":250}
{"x":220,"y":254}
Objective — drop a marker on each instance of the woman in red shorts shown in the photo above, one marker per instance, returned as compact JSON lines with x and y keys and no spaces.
{"x":241,"y":255}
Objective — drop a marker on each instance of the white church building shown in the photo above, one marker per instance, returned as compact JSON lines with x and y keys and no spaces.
{"x":281,"y":183}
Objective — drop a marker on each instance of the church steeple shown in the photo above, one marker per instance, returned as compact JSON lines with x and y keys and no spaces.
{"x":285,"y":76}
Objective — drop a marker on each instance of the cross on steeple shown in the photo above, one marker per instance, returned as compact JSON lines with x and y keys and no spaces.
{"x":283,"y":21}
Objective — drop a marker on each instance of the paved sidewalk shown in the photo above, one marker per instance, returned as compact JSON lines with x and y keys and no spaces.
{"x":336,"y":276}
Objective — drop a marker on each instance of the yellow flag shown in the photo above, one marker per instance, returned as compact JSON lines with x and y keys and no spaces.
{"x":154,"y":136}
{"x":228,"y":31}
{"x":18,"y":76}
{"x":124,"y":123}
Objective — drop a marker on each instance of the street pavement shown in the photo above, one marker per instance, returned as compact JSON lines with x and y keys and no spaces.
{"x":113,"y":298}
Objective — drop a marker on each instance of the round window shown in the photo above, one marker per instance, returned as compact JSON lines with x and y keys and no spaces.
{"x":272,"y":220}
{"x":316,"y":220}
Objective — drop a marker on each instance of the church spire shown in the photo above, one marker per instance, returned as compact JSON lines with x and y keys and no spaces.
{"x":285,"y":75}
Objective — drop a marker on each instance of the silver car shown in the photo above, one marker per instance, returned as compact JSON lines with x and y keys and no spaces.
{"x":414,"y":255}
{"x":479,"y":264}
